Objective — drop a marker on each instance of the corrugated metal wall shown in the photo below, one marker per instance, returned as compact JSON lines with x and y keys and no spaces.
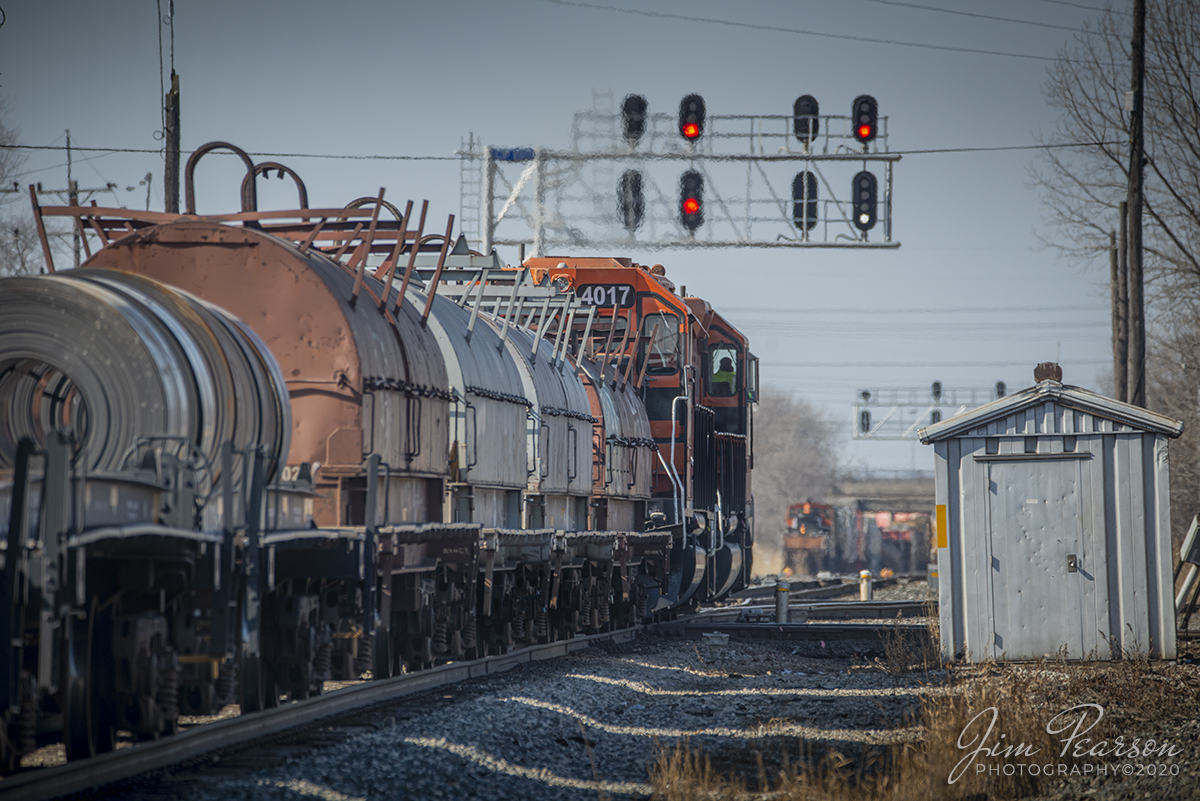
{"x":1057,"y":537}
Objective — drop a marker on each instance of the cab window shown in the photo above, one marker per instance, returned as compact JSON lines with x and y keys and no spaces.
{"x":722,"y":370}
{"x":661,"y":346}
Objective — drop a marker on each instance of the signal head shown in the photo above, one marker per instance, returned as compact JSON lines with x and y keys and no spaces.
{"x":633,"y":117}
{"x":804,"y":200}
{"x":631,"y":202}
{"x":864,"y":117}
{"x":864,"y":191}
{"x":806,"y":118}
{"x":691,"y":117}
{"x":691,"y":200}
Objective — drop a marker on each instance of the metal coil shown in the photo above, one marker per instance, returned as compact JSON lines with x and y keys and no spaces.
{"x":440,"y":640}
{"x":468,"y":632}
{"x":323,"y":662}
{"x":116,"y":357}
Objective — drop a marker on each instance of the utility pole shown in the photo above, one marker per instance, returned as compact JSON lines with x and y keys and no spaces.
{"x":72,"y":199}
{"x":1137,"y":310}
{"x":171,"y":169}
{"x":1118,"y":255}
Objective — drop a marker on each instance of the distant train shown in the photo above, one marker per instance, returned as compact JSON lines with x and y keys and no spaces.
{"x":820,"y":537}
{"x":241,"y":455}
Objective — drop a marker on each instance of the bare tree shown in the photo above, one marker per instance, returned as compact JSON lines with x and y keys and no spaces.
{"x":1082,"y":189}
{"x":795,"y":458}
{"x":20,"y":252}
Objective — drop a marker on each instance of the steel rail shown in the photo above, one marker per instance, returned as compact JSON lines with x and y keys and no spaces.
{"x":831,"y":610}
{"x":873,"y":633}
{"x":812,"y":589}
{"x":88,"y":774}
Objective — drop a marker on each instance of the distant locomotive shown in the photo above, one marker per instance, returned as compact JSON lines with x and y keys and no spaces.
{"x":242,"y":455}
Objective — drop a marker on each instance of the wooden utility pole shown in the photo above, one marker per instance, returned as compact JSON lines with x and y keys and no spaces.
{"x":1119,"y":283}
{"x":1137,"y":311}
{"x":72,"y":199}
{"x":171,"y":169}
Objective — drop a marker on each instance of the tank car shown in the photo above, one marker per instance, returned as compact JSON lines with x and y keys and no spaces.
{"x":352,"y":448}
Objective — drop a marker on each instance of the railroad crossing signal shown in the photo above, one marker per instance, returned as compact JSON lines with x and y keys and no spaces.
{"x":691,"y":200}
{"x":804,"y":200}
{"x":865,"y":118}
{"x":864,"y":190}
{"x":630,"y":199}
{"x":806,"y":119}
{"x":633,"y":117}
{"x":691,"y":117}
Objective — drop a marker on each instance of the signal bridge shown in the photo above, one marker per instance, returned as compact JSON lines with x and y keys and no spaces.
{"x":637,"y":179}
{"x":898,"y":414}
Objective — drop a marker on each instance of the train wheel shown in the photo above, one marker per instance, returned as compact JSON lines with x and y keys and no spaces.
{"x":79,"y":731}
{"x":250,"y":683}
{"x":270,"y":684}
{"x":382,"y":653}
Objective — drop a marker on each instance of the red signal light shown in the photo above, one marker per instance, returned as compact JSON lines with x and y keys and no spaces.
{"x":864,"y":132}
{"x":691,"y":130}
{"x":691,"y":205}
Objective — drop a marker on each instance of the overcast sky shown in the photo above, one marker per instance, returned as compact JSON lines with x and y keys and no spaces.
{"x":970,"y":298}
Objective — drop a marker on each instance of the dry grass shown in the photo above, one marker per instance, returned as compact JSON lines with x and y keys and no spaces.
{"x":1004,"y":709}
{"x":904,"y":655}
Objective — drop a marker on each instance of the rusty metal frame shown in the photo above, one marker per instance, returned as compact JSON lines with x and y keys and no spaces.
{"x":437,"y":274}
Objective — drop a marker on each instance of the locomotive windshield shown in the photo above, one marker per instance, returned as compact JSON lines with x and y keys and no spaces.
{"x":661,"y":330}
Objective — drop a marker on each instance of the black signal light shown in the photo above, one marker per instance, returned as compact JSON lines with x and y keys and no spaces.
{"x":865,"y":118}
{"x":633,"y":117}
{"x":631,"y":203}
{"x":691,"y":200}
{"x":864,"y":190}
{"x":691,"y":117}
{"x":804,"y":200}
{"x":806,"y":120}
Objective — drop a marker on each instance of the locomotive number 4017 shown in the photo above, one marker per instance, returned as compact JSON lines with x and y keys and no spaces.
{"x":617,"y":295}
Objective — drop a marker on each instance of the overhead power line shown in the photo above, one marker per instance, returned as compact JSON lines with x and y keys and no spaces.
{"x":779,"y":29}
{"x":914,"y":310}
{"x":1069,"y":362}
{"x":1006,"y":147}
{"x":973,"y":14}
{"x":158,"y":151}
{"x":379,"y":157}
{"x":1085,"y":8}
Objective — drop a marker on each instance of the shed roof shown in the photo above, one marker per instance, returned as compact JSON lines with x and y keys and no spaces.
{"x":1071,"y":397}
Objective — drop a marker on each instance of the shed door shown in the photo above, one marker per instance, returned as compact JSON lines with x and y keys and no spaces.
{"x":1034,"y":528}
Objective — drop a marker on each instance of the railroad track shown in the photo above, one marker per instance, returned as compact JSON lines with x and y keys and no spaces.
{"x":87,"y":776}
{"x":127,"y":763}
{"x":833,"y":610}
{"x":815,"y":588}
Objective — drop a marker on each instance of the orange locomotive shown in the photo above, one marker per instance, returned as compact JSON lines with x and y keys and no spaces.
{"x":698,"y":382}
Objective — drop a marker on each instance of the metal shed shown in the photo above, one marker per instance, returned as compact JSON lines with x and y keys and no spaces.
{"x":1054,"y":527}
